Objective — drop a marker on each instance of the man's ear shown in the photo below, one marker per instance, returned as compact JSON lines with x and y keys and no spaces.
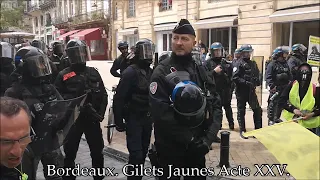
{"x":194,"y":42}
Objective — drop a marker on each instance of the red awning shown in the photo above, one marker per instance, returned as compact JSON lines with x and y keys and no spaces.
{"x":63,"y":36}
{"x":88,"y":34}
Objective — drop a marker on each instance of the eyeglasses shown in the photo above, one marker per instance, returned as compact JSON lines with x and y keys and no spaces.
{"x":5,"y":143}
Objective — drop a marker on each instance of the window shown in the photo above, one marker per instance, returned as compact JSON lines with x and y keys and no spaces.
{"x":97,"y":47}
{"x":41,"y":20}
{"x":131,"y":9}
{"x":165,"y":5}
{"x":167,"y":42}
{"x":36,"y":21}
{"x":131,"y":39}
{"x":222,"y":35}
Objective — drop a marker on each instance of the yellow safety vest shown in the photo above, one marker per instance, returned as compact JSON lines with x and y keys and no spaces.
{"x":307,"y":104}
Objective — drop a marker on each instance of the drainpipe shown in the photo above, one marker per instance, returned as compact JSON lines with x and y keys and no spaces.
{"x":186,"y":9}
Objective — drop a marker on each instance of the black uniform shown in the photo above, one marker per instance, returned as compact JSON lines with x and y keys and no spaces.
{"x":61,"y":62}
{"x":223,"y":84}
{"x":132,"y":104}
{"x":120,"y":63}
{"x":172,"y":139}
{"x":277,"y":76}
{"x":72,"y":84}
{"x":132,"y":93}
{"x":246,"y":77}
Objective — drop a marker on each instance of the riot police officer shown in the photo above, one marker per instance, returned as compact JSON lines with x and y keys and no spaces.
{"x":7,"y":67}
{"x":277,"y":76}
{"x":246,"y":77}
{"x":131,"y":102}
{"x":222,"y":72}
{"x":42,"y":46}
{"x":58,"y":57}
{"x":35,"y":89}
{"x":298,"y":55}
{"x":121,"y":62}
{"x":178,"y":144}
{"x":75,"y":81}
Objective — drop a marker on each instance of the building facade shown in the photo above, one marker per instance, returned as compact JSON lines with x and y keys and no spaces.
{"x":87,"y":20}
{"x":265,"y":24}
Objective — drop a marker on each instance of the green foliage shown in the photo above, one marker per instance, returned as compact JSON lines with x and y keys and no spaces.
{"x":11,"y":17}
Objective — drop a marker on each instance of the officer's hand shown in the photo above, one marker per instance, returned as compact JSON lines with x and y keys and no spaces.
{"x":199,"y":147}
{"x":218,"y":69}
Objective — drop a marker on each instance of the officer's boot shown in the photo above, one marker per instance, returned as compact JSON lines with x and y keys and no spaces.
{"x":241,"y":120}
{"x":229,"y":115}
{"x":257,"y":118}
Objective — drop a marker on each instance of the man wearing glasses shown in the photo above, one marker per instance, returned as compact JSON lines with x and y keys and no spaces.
{"x":15,"y":135}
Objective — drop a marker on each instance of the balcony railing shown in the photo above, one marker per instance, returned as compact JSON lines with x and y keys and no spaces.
{"x":60,"y":20}
{"x":31,"y":8}
{"x":89,"y":17}
{"x":46,"y":4}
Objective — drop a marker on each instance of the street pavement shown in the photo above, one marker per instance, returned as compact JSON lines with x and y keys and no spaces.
{"x":244,"y":152}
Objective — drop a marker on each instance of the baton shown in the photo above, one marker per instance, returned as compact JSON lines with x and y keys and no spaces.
{"x":296,"y":119}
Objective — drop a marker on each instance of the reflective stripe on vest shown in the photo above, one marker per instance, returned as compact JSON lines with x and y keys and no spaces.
{"x":307,"y":104}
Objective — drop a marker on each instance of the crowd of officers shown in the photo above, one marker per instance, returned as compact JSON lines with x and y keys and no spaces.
{"x":181,"y":98}
{"x":33,"y":77}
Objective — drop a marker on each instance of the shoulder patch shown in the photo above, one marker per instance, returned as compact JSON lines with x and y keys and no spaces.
{"x":69,"y":75}
{"x":153,"y":87}
{"x":235,"y":69}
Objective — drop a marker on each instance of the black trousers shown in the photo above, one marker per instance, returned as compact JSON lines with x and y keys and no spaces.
{"x":93,"y":134}
{"x":188,"y":161}
{"x":138,"y":132}
{"x":244,"y":97}
{"x":274,"y":111}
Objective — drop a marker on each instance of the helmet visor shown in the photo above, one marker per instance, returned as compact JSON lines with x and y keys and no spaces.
{"x":39,"y":66}
{"x":247,"y":54}
{"x":146,"y":51}
{"x":58,"y":49}
{"x":7,"y":51}
{"x":216,"y":53}
{"x":78,"y":54}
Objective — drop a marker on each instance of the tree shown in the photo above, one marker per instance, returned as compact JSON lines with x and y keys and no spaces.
{"x":11,"y":17}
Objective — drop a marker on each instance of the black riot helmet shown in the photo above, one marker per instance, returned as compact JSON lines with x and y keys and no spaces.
{"x":39,"y":44}
{"x":299,"y":50}
{"x":189,"y":104}
{"x":33,"y":63}
{"x":78,"y":52}
{"x":144,"y":50}
{"x":57,"y":48}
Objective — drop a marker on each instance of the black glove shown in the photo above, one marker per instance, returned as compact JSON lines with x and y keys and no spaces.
{"x":198,"y":147}
{"x":120,"y":125}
